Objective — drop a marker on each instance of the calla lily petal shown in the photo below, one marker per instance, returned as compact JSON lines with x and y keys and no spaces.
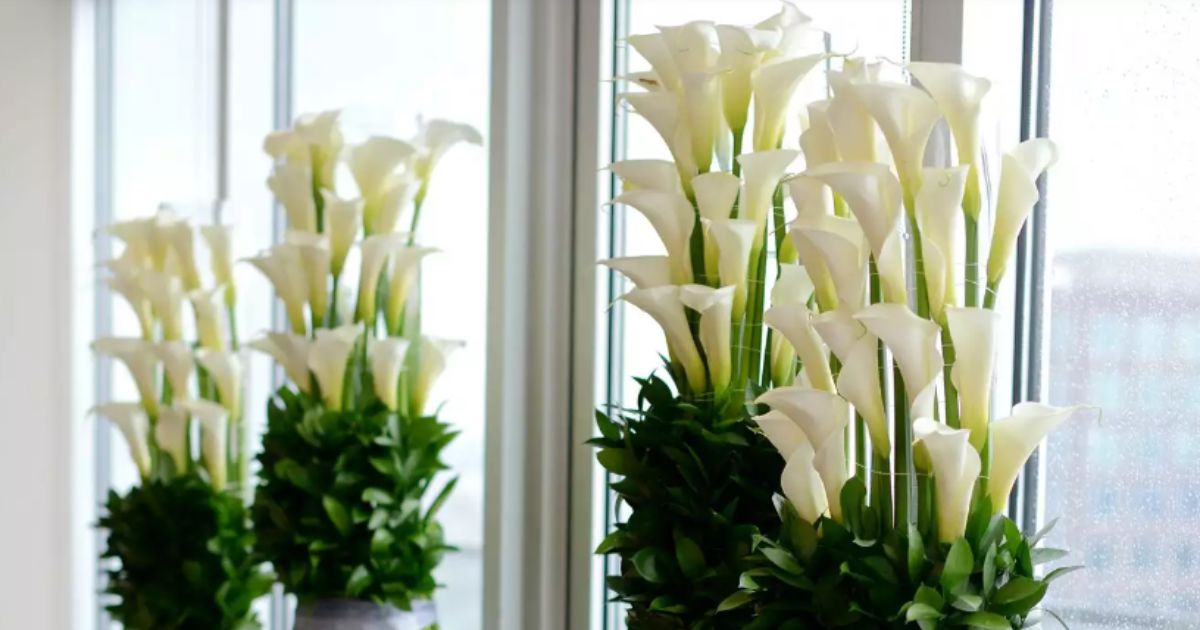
{"x":762,"y":172}
{"x":171,"y":430}
{"x":284,"y":270}
{"x":702,"y":102}
{"x":374,"y":161}
{"x":386,"y":356}
{"x":939,"y":219}
{"x":842,"y":248}
{"x":653,"y":48}
{"x":742,"y":51}
{"x":802,"y":485}
{"x":178,"y":362}
{"x":127,"y":284}
{"x":660,"y":175}
{"x":342,"y":218}
{"x":182,"y":242}
{"x":973,"y":331}
{"x":811,"y":197}
{"x":225,"y":368}
{"x":715,"y":307}
{"x":315,"y":260}
{"x":774,"y":83}
{"x":292,"y":185}
{"x":820,"y":414}
{"x":432,"y":356}
{"x":955,"y":469}
{"x":1019,"y":172}
{"x":858,"y":382}
{"x":405,"y":263}
{"x":716,"y":193}
{"x":871,"y":191}
{"x":915,"y":342}
{"x":662,"y":111}
{"x":839,"y":330}
{"x":794,"y":322}
{"x":214,"y":431}
{"x":139,"y":358}
{"x":906,"y":115}
{"x":672,"y":218}
{"x":818,"y":142}
{"x":664,"y":304}
{"x":208,"y":307}
{"x":219,"y":238}
{"x":959,"y":96}
{"x":394,"y":203}
{"x":165,"y":294}
{"x":131,"y":420}
{"x":645,"y":272}
{"x":376,"y":250}
{"x":328,"y":355}
{"x":1014,"y":439}
{"x":435,"y":138}
{"x":784,"y":434}
{"x":734,"y":240}
{"x":290,"y":352}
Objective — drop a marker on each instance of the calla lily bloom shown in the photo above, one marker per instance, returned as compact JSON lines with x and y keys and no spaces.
{"x":314,"y":141}
{"x":139,"y":358}
{"x":702,"y":103}
{"x":811,"y":197}
{"x":792,"y":287}
{"x":1019,"y":172}
{"x":374,"y":161}
{"x":822,"y":416}
{"x":131,"y":420}
{"x":665,"y":306}
{"x":774,"y":83}
{"x":716,"y":193}
{"x":734,"y":239}
{"x":219,"y":238}
{"x":1014,"y":439}
{"x":182,"y":240}
{"x":955,"y":469}
{"x":715,"y":307}
{"x":315,"y":260}
{"x":796,"y":31}
{"x":165,"y":294}
{"x":214,"y":430}
{"x":938,"y":217}
{"x":973,"y":331}
{"x":208,"y":309}
{"x":405,"y":262}
{"x":162,"y":224}
{"x":435,"y":138}
{"x":128,"y":285}
{"x":762,"y":172}
{"x":225,"y":369}
{"x":291,"y":184}
{"x":783,"y":433}
{"x":342,"y":218}
{"x":376,"y":250}
{"x":431,"y":363}
{"x":842,"y":247}
{"x":818,"y":142}
{"x":673,"y":219}
{"x":178,"y":362}
{"x":394,"y":204}
{"x":854,"y":131}
{"x":794,"y":322}
{"x":858,"y":382}
{"x":328,"y":355}
{"x":654,"y":49}
{"x":386,"y":356}
{"x":645,"y":272}
{"x":658,"y":175}
{"x":802,"y":484}
{"x":742,"y":51}
{"x":839,"y":330}
{"x":662,"y":111}
{"x":135,"y":234}
{"x":283,"y":268}
{"x":959,"y":96}
{"x":915,"y":342}
{"x":906,"y":115}
{"x":171,"y":434}
{"x":289,"y":351}
{"x":692,"y":46}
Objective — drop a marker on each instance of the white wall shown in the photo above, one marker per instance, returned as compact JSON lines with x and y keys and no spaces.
{"x":43,"y":290}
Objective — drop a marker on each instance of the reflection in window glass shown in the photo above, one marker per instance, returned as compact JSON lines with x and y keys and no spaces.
{"x":1128,"y":250}
{"x":384,"y":64}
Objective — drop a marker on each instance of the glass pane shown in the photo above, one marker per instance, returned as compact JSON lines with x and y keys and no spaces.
{"x":384,"y":64}
{"x":1123,"y":303}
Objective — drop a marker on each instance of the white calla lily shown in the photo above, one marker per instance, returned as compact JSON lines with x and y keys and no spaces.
{"x":291,"y":352}
{"x":183,"y":245}
{"x":165,"y":293}
{"x":794,"y":322}
{"x":225,"y":369}
{"x":672,"y":217}
{"x":811,"y":197}
{"x":315,"y":261}
{"x":956,"y":468}
{"x":314,"y":141}
{"x":220,"y":254}
{"x":171,"y":430}
{"x":716,"y":192}
{"x":645,"y":272}
{"x":973,"y":331}
{"x":843,"y":251}
{"x":328,"y":355}
{"x":773,"y":84}
{"x":127,"y":284}
{"x":395,"y":203}
{"x":431,"y":362}
{"x":939,"y":220}
{"x":818,"y":141}
{"x":662,"y":111}
{"x":702,"y":102}
{"x":734,"y":239}
{"x":376,"y":250}
{"x":959,"y":95}
{"x":915,"y":342}
{"x":793,"y":286}
{"x":858,"y":382}
{"x":781,"y":431}
{"x":822,"y":416}
{"x":839,"y":330}
{"x":405,"y":263}
{"x":715,"y":307}
{"x":208,"y":307}
{"x":342,"y":218}
{"x":661,"y":175}
{"x":665,"y":306}
{"x":854,"y":130}
{"x":906,"y":115}
{"x":1019,"y":172}
{"x":291,"y":183}
{"x":214,"y":437}
{"x":162,"y":224}
{"x":135,"y":234}
{"x":386,"y":356}
{"x":692,"y":46}
{"x":796,"y":31}
{"x":742,"y":51}
{"x":802,"y":484}
{"x":373,"y":162}
{"x":139,"y":358}
{"x":762,"y":172}
{"x":283,"y":268}
{"x":178,"y":363}
{"x":1014,"y":439}
{"x":435,"y":138}
{"x":131,"y":420}
{"x":654,"y":49}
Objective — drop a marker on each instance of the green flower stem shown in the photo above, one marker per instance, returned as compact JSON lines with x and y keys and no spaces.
{"x":971,"y":283}
{"x":989,"y":295}
{"x":881,"y":488}
{"x":696,"y":248}
{"x":755,"y":310}
{"x":950,"y":355}
{"x":918,"y":253}
{"x":318,"y":200}
{"x":332,"y":316}
{"x":738,"y":135}
{"x":926,"y":507}
{"x":902,"y":429}
{"x":860,"y":448}
{"x":418,"y":201}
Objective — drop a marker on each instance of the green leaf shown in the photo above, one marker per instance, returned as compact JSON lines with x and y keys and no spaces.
{"x":359,"y":581}
{"x":967,"y":602}
{"x":989,"y":570}
{"x":376,"y":496}
{"x":1042,"y":555}
{"x":916,"y":552}
{"x":782,"y":559}
{"x":1018,"y":596}
{"x":616,"y":460}
{"x":928,"y":596}
{"x":1041,"y":533}
{"x":648,"y":565}
{"x":958,"y":567}
{"x":337,"y":513}
{"x":440,"y":499}
{"x":612,"y":542}
{"x":854,"y":494}
{"x":608,"y":428}
{"x":919,"y":611}
{"x":1059,"y":572}
{"x":689,"y":556}
{"x":735,"y":601}
{"x":986,"y":621}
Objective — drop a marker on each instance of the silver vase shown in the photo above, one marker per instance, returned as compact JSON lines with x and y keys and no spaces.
{"x":349,"y":614}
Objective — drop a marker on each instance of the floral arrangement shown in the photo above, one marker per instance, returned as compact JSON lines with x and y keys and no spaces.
{"x":873,"y":380}
{"x":352,"y":446}
{"x":180,"y":537}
